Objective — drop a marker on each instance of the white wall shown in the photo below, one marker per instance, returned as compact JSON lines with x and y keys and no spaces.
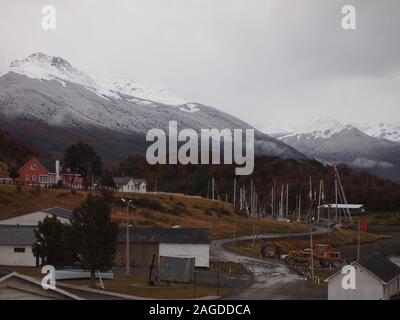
{"x":200,"y":251}
{"x":30,"y":219}
{"x":132,"y":187}
{"x":392,"y":288}
{"x":10,"y":258}
{"x":368,"y":287}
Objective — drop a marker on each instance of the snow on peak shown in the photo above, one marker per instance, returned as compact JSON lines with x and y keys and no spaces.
{"x":154,"y":93}
{"x":323,"y":127}
{"x":318,"y":128}
{"x":45,"y":67}
{"x":387,"y":131}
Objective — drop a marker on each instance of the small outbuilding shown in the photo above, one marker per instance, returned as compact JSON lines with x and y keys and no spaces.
{"x":169,"y":242}
{"x":354,"y":209}
{"x":5,"y":178}
{"x":376,"y":278}
{"x":16,"y":245}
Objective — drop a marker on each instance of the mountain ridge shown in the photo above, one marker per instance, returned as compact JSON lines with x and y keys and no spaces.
{"x":40,"y":103}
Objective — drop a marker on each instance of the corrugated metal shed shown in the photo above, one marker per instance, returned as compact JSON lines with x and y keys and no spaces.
{"x":177,"y":269}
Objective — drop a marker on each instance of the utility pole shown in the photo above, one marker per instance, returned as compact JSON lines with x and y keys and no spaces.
{"x":272,"y":201}
{"x":312,"y":252}
{"x":127,"y":238}
{"x":234,"y":193}
{"x":300,"y":207}
{"x":336,"y":199}
{"x":358,"y":240}
{"x":251,"y":196}
{"x":287,"y":200}
{"x":234,"y":232}
{"x":319,"y":199}
{"x":212,"y":187}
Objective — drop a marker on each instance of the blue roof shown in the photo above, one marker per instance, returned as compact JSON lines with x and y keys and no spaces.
{"x":59,"y":212}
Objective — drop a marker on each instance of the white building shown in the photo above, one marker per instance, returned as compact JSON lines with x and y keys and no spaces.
{"x":377,"y":278}
{"x":127,"y":184}
{"x":17,"y":235}
{"x":33,"y":218}
{"x":169,"y":242}
{"x":16,"y":245}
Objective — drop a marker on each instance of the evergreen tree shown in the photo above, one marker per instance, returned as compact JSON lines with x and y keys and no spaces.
{"x":82,"y":159}
{"x":95,"y":234}
{"x":53,"y":243}
{"x":107,"y":179}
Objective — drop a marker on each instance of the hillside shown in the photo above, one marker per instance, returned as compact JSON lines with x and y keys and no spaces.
{"x":360,"y":187}
{"x":150,"y":211}
{"x":14,"y":152}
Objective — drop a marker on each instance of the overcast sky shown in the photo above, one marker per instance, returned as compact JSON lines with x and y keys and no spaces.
{"x":261,"y":60}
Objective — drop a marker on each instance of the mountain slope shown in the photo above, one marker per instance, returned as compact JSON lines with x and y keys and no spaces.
{"x":14,"y":152}
{"x":51,"y":104}
{"x":332,"y":142}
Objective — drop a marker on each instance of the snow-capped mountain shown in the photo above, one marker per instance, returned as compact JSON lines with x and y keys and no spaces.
{"x":331,"y":141}
{"x":50,"y":103}
{"x":381,"y":130}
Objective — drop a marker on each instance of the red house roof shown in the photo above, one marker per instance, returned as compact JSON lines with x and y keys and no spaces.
{"x":4,"y":175}
{"x":49,"y":165}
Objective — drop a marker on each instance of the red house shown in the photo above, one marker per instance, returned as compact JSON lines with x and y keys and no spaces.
{"x":47,"y":173}
{"x":5,"y":178}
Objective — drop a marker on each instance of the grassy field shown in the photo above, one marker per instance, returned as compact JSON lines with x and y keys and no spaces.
{"x":148,"y":210}
{"x":137,"y":285}
{"x":381,"y":218}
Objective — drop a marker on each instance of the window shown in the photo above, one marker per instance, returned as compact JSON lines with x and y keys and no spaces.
{"x":33,"y":166}
{"x":43,"y":179}
{"x":33,"y":177}
{"x":19,"y":250}
{"x":27,"y":177}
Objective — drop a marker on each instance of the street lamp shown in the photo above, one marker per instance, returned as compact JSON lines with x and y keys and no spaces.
{"x":128,"y":202}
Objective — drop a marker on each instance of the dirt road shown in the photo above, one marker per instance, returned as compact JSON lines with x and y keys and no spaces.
{"x":273,"y":280}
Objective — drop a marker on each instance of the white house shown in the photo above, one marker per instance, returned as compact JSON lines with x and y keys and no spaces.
{"x":16,"y":245}
{"x":377,"y":278}
{"x":33,"y":218}
{"x":127,"y":184}
{"x":170,"y":242}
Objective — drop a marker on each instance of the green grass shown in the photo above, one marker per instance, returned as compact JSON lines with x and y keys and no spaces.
{"x":380,"y":218}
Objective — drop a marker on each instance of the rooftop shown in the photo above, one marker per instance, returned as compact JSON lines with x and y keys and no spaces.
{"x":17,"y":235}
{"x":166,"y":235}
{"x":380,"y":266}
{"x":124,"y":180}
{"x":342,"y":206}
{"x":59,"y":212}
